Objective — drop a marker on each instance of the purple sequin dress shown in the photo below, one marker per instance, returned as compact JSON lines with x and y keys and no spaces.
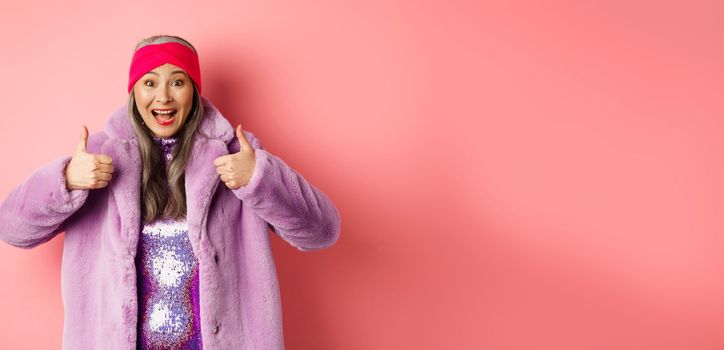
{"x":168,"y":282}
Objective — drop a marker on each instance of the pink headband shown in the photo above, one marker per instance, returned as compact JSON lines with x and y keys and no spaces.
{"x":151,"y":56}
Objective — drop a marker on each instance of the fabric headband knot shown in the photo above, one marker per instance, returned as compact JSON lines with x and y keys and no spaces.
{"x":151,"y":56}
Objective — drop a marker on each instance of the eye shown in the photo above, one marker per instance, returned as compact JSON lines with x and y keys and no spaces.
{"x":180,"y":82}
{"x":148,"y":83}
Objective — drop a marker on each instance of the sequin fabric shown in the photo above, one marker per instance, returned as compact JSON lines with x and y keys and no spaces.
{"x":168,"y":281}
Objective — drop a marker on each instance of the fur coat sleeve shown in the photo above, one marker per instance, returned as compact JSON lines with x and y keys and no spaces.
{"x":296,"y":210}
{"x":35,"y":211}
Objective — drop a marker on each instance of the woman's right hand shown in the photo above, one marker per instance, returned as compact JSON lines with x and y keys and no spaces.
{"x":86,"y":170}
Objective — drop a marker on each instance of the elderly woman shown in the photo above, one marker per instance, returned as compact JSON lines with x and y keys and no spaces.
{"x":158,"y":254}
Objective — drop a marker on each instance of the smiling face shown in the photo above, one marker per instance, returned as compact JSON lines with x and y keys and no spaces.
{"x":164,"y":97}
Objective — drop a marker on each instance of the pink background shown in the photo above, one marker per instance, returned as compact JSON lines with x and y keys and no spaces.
{"x":509,"y":176}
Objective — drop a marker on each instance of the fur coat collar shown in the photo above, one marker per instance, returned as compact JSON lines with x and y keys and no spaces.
{"x":211,"y":141}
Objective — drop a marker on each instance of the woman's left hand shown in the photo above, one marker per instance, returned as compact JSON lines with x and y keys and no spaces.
{"x":235,"y":169}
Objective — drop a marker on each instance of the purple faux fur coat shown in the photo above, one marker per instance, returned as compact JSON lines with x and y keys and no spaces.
{"x":239,"y":293}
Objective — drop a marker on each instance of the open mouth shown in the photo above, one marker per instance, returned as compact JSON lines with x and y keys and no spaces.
{"x":164,"y":116}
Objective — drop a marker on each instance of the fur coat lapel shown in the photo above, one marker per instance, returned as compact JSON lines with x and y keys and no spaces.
{"x":210,"y":141}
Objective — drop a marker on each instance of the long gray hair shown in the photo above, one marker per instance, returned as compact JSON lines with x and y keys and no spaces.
{"x":155,"y":178}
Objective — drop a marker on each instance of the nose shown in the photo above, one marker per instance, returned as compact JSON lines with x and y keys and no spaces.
{"x":163,"y":96}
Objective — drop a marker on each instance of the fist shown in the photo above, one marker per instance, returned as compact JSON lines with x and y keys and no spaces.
{"x":235,"y":170}
{"x":86,"y":170}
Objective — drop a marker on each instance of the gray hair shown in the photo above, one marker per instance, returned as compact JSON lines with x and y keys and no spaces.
{"x":160,"y":39}
{"x":155,"y":178}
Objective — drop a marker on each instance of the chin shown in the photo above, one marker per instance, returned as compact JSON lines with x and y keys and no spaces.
{"x":166,"y":134}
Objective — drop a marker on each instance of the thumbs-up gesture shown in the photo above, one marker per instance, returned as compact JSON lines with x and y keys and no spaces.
{"x":85,"y":170}
{"x":235,"y":169}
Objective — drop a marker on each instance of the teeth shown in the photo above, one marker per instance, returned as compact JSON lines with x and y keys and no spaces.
{"x":164,"y":112}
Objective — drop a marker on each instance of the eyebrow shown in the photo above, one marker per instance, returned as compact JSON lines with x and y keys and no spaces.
{"x":174,"y":72}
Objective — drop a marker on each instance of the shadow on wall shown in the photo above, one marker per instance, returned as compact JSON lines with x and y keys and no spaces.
{"x":225,"y":78}
{"x":228,"y":83}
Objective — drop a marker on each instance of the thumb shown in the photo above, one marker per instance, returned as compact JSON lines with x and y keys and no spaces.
{"x":83,"y":141}
{"x":241,"y":137}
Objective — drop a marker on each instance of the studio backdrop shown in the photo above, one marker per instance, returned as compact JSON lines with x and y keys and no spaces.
{"x":509,"y":174}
